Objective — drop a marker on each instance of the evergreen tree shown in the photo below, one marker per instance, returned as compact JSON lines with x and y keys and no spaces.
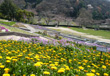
{"x":8,"y":9}
{"x":23,"y":15}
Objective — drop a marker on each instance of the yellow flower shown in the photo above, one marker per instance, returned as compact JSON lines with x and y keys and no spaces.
{"x":74,"y":59}
{"x":70,"y":60}
{"x":8,"y":58}
{"x":84,"y":63}
{"x":81,"y":68}
{"x":61,"y":70}
{"x":24,"y":75}
{"x":6,"y":70}
{"x":88,"y":66}
{"x":105,"y":74}
{"x":97,"y":74}
{"x":46,"y":73}
{"x":85,"y":71}
{"x":32,"y":75}
{"x":103,"y":66}
{"x":56,"y":63}
{"x":6,"y":74}
{"x":0,"y":57}
{"x":90,"y":74}
{"x":54,"y":68}
{"x":20,"y":55}
{"x":52,"y":65}
{"x":2,"y":66}
{"x":8,"y":61}
{"x":79,"y":62}
{"x":67,"y":68}
{"x":14,"y":60}
{"x":93,"y":70}
{"x":38,"y":64}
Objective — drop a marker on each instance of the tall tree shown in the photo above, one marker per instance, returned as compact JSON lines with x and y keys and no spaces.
{"x":23,"y":15}
{"x":85,"y":18}
{"x":8,"y":8}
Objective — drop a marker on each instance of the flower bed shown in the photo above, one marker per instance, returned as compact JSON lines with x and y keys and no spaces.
{"x":36,"y":40}
{"x":40,"y":27}
{"x":3,"y":29}
{"x":18,"y":58}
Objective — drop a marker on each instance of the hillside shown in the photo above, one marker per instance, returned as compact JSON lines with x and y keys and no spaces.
{"x":101,"y":8}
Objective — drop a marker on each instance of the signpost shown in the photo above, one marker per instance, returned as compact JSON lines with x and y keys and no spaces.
{"x":102,"y":49}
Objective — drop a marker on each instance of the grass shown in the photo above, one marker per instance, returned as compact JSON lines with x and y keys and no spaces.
{"x":8,"y":23}
{"x":102,"y":33}
{"x":65,"y":32}
{"x":18,"y":25}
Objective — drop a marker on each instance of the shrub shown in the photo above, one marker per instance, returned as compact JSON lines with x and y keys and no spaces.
{"x":60,"y":37}
{"x":45,"y":32}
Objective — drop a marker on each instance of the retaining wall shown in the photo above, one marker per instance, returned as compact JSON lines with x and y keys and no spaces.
{"x":16,"y":34}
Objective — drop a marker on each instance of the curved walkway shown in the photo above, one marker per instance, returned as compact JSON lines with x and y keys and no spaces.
{"x":81,"y":34}
{"x":32,"y":30}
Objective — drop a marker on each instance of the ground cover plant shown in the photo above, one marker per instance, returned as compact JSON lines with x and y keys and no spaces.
{"x":3,"y":29}
{"x":8,"y":23}
{"x":14,"y":29}
{"x":39,"y":58}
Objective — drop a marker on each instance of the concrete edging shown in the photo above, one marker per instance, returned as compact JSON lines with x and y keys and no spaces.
{"x":16,"y":34}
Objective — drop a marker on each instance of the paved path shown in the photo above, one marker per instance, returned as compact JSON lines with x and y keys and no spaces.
{"x":13,"y":37}
{"x":81,"y":34}
{"x":32,"y":30}
{"x":28,"y":26}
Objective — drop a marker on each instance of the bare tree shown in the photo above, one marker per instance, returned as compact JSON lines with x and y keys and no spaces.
{"x":47,"y":16}
{"x":58,"y":19}
{"x":85,"y":18}
{"x":68,"y":20}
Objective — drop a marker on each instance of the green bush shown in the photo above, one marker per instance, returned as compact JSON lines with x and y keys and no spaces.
{"x":45,"y":32}
{"x":60,"y":37}
{"x":39,"y":32}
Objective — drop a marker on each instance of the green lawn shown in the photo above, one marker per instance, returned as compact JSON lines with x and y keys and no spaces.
{"x":8,"y":23}
{"x":102,"y":33}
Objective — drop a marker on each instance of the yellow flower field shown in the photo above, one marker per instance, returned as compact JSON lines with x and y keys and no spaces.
{"x":19,"y":58}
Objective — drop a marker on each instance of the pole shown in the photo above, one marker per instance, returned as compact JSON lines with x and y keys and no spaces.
{"x":100,"y":55}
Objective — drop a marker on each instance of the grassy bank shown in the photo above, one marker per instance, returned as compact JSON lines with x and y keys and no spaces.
{"x":8,"y":23}
{"x":13,"y":29}
{"x":102,"y":33}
